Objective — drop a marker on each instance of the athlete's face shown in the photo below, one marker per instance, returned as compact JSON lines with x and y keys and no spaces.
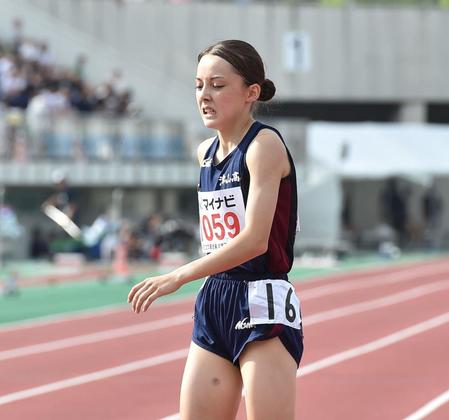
{"x":221,"y":93}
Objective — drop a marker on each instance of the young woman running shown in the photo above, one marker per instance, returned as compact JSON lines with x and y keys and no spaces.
{"x":247,"y":323}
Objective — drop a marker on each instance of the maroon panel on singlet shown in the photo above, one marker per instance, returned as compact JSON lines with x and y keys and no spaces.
{"x":278,"y":260}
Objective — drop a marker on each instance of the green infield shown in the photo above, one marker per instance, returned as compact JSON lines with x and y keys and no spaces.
{"x":93,"y":294}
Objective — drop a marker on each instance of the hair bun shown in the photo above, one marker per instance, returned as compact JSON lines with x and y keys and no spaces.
{"x":267,"y":90}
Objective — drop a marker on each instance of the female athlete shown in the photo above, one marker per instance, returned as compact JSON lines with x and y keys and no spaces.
{"x":247,"y":323}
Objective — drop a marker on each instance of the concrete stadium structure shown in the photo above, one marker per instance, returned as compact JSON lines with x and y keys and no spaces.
{"x":356,"y":54}
{"x":351,"y":64}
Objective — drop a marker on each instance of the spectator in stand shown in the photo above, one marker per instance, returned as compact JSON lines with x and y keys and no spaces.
{"x":116,"y":82}
{"x":106,"y":99}
{"x":29,"y":50}
{"x":49,"y":102}
{"x":44,"y":107}
{"x":6,"y":64}
{"x":124,"y":106}
{"x":45,"y":57}
{"x":35,"y":78}
{"x":113,"y":96}
{"x":14,"y":87}
{"x":81,"y":96}
{"x":28,"y":69}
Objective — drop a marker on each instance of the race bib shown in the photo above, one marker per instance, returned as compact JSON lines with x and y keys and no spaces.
{"x":222,"y":217}
{"x":273,"y":302}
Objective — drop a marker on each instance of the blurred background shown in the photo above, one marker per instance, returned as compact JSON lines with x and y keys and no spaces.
{"x":98,"y":121}
{"x":98,"y":178}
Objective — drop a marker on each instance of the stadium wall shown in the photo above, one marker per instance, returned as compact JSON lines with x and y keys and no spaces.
{"x":353,"y":53}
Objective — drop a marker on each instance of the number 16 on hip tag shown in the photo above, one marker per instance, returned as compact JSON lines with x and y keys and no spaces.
{"x":274,"y":302}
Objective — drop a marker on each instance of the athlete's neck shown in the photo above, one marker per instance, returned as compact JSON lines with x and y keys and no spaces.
{"x":231,"y":137}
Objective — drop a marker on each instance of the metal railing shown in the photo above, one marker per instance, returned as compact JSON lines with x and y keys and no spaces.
{"x":97,"y":137}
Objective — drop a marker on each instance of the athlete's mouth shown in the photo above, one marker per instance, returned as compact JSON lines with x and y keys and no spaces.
{"x":207,"y":110}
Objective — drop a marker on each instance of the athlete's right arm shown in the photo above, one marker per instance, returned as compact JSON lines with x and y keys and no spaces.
{"x":160,"y":285}
{"x":267,"y":163}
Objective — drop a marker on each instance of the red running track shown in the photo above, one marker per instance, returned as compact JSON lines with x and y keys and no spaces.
{"x":122,"y":366}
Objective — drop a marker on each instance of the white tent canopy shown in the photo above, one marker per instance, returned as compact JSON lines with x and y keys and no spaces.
{"x":371,"y":150}
{"x":367,"y":153}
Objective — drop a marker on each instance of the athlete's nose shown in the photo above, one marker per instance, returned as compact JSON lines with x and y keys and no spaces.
{"x":204,"y":94}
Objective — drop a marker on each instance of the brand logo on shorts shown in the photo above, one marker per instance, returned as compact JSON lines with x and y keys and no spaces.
{"x":243,"y":324}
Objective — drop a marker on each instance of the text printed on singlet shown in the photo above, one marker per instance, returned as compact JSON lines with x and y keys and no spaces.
{"x":222,"y":217}
{"x":273,"y":302}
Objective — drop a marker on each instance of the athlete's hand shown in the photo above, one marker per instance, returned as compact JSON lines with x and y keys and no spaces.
{"x":143,"y":294}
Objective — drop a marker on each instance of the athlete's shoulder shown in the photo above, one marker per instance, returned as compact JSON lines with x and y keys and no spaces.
{"x":203,"y":147}
{"x":268,"y":150}
{"x":267,"y":141}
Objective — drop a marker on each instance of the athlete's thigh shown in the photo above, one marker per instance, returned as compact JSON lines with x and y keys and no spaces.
{"x":211,"y":387}
{"x":269,"y":377}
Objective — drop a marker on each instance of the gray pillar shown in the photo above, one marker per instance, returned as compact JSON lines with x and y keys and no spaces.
{"x":170,"y":202}
{"x":412,"y":112}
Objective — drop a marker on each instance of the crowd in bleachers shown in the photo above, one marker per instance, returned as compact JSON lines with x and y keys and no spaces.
{"x":53,"y":111}
{"x":31,"y":79}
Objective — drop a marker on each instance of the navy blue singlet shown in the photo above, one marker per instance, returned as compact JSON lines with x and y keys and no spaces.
{"x":230,"y":173}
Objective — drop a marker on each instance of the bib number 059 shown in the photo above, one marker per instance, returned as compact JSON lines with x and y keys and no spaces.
{"x":274,"y":302}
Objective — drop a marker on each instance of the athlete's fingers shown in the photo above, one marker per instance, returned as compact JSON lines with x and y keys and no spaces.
{"x":142,"y":295}
{"x":137,"y":295}
{"x":150,"y":299}
{"x":133,"y":291}
{"x":136,"y":288}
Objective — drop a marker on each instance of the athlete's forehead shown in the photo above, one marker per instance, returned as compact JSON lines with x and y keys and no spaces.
{"x":214,"y":67}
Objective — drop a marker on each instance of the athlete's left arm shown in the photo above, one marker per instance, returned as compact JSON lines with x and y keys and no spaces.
{"x":267,"y":163}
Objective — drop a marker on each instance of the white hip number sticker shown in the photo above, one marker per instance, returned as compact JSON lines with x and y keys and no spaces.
{"x":273,"y":302}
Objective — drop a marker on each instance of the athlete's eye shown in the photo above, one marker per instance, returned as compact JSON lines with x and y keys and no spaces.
{"x":217,"y":86}
{"x":198,"y":87}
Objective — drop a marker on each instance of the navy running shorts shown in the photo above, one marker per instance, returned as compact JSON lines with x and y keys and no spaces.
{"x":223,"y":323}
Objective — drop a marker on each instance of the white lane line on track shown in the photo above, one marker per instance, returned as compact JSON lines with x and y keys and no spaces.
{"x":430,"y":407}
{"x":79,"y":315}
{"x":340,"y":312}
{"x":388,"y":300}
{"x":372,"y":281}
{"x":358,"y":283}
{"x":94,"y":376}
{"x":375,"y":270}
{"x":388,"y":340}
{"x":372,"y":346}
{"x":96,"y":337}
{"x":61,"y":317}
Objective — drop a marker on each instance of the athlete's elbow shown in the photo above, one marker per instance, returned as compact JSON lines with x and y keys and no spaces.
{"x":258,"y":248}
{"x":253,"y":244}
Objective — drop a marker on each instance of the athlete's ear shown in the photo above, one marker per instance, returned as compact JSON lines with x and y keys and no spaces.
{"x":253,"y":92}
